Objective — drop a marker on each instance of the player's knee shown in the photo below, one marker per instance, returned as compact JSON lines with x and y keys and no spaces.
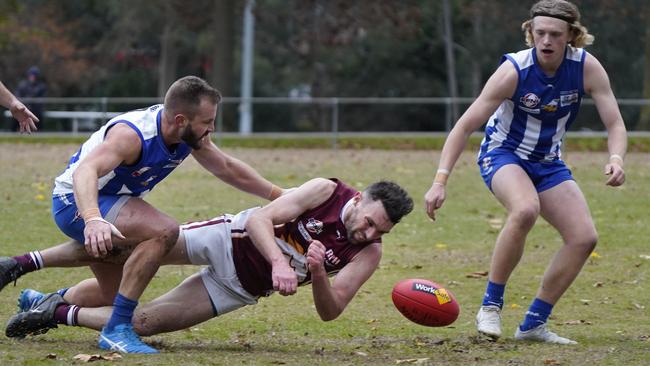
{"x":143,"y":325}
{"x":525,"y":216}
{"x":167,"y":232}
{"x":588,"y":241}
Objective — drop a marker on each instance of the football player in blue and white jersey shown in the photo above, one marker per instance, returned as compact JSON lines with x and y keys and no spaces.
{"x":97,"y":201}
{"x":529,"y":103}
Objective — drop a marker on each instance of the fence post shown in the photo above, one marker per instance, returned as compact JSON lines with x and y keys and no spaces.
{"x":219,"y":124}
{"x":447,"y":114}
{"x":104,"y":107}
{"x":335,"y":122}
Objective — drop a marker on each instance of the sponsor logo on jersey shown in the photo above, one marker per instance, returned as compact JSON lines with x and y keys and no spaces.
{"x":529,"y":110}
{"x":551,"y":107}
{"x":314,"y":226}
{"x":173,"y":164}
{"x":140,"y":171}
{"x":146,"y":182}
{"x":530,"y":100}
{"x":440,"y":293}
{"x":303,"y":231}
{"x":331,"y":259}
{"x":568,"y":98}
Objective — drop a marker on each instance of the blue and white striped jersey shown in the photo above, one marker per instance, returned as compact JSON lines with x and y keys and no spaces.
{"x":534,"y":121}
{"x":155,"y":163}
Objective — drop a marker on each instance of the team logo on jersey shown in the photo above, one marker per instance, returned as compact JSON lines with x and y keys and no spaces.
{"x":530,"y":100}
{"x":568,"y":97}
{"x":140,"y":171}
{"x":314,"y":226}
{"x":331,"y":259}
{"x":551,"y":107}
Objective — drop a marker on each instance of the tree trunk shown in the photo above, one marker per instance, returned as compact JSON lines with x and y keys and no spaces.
{"x":644,"y":118}
{"x":221,"y":75}
{"x":168,"y":52}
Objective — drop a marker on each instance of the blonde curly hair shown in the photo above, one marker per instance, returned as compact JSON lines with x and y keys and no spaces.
{"x":560,"y":9}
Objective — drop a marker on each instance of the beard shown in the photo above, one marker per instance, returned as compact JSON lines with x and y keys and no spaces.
{"x":190,"y":138}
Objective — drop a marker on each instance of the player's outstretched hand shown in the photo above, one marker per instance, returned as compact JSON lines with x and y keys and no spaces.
{"x":434,"y":198}
{"x":26,"y":119}
{"x":616,"y":174}
{"x":285,"y":280}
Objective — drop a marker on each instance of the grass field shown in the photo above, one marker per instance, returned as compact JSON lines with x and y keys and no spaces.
{"x":606,"y":309}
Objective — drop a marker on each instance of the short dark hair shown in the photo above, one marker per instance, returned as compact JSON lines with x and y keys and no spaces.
{"x":395,"y":199}
{"x":185,"y":94}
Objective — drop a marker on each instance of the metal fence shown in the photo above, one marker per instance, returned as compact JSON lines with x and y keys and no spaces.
{"x":82,"y":115}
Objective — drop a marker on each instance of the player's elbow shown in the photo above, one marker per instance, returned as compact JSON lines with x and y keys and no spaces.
{"x":328,"y":317}
{"x":330,"y":314}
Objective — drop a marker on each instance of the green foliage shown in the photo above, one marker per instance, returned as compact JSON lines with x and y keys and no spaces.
{"x":605,"y":310}
{"x":318,"y":48}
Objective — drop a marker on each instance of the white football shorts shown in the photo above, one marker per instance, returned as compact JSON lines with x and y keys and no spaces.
{"x":209,"y":242}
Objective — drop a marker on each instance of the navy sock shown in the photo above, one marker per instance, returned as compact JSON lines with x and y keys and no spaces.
{"x":29,"y":262}
{"x":494,"y":294}
{"x":122,"y":311}
{"x":537,"y":314}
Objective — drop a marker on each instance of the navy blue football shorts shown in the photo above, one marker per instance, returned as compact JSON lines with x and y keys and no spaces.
{"x":543,"y":174}
{"x":68,"y":219}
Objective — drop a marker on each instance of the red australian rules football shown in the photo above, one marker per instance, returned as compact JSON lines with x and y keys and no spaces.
{"x":425,"y":302}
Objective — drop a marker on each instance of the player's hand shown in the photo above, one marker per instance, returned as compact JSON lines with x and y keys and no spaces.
{"x":616,"y":174}
{"x":97,"y":237}
{"x":316,"y":258}
{"x":285,"y":280}
{"x":434,"y":198}
{"x":26,"y":119}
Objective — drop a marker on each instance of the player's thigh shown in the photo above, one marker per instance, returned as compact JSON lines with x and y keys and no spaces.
{"x":514,"y":189}
{"x":139,"y":221}
{"x":565,"y":208}
{"x":186,"y":305}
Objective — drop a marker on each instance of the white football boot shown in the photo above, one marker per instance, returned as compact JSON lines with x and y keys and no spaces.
{"x":488,"y":321}
{"x":541,"y":334}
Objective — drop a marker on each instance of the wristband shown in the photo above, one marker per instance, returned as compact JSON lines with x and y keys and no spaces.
{"x":615,"y":156}
{"x":441,"y":177}
{"x":90,"y":214}
{"x":275,"y":192}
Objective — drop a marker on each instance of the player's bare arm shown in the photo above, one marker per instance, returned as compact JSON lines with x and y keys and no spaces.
{"x":499,"y":87}
{"x":26,"y":119}
{"x":598,"y":86}
{"x":331,"y":299}
{"x":235,"y":172}
{"x":284,"y":209}
{"x":121,"y":146}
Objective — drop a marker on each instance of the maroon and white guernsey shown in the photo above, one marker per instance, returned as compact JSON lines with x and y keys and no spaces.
{"x":322,"y":223}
